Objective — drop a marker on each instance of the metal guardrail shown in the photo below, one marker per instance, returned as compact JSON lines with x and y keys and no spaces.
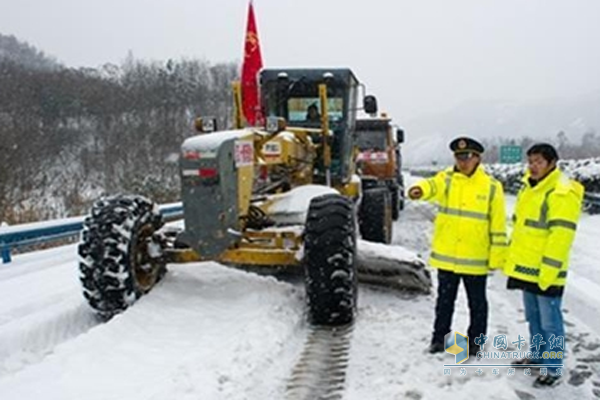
{"x":50,"y":231}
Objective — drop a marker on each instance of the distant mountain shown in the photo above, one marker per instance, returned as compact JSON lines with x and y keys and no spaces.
{"x":427,"y":137}
{"x":22,"y":53}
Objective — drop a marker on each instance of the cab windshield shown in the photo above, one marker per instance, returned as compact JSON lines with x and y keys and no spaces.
{"x":299,"y":103}
{"x":299,"y":109}
{"x":368,"y":139}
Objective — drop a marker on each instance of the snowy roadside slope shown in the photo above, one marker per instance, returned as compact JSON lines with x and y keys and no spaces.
{"x":205,"y":332}
{"x":40,"y":306}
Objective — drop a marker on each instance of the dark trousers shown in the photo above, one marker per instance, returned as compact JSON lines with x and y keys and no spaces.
{"x":446,"y":296}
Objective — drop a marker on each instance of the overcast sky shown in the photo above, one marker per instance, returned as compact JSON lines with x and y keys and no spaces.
{"x":418,"y":56}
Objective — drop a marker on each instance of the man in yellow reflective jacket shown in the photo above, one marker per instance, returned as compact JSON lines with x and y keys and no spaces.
{"x":545,"y":219}
{"x":469,"y":237}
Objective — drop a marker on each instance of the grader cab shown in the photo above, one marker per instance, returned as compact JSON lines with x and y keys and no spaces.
{"x":280,"y":195}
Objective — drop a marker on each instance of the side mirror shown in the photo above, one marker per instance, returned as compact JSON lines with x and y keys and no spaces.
{"x":205,"y":125}
{"x":400,"y":136}
{"x":370,"y":104}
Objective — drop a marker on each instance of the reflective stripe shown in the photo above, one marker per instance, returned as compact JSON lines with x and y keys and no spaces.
{"x":562,"y":223}
{"x":448,"y":184}
{"x":544,"y":210}
{"x":542,"y":222}
{"x":535,"y":271}
{"x":492,"y":192}
{"x":494,"y":236}
{"x":499,"y":244}
{"x":462,"y":213}
{"x":498,"y":239}
{"x":527,"y":270}
{"x":536,"y":224}
{"x":552,"y":262}
{"x":432,"y":186}
{"x":491,"y":197}
{"x":463,"y":261}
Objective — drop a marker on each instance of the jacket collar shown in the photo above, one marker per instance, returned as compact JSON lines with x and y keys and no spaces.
{"x":479,"y":171}
{"x":547,"y":182}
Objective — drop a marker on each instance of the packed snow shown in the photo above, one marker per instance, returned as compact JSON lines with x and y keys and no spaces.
{"x":291,"y":207}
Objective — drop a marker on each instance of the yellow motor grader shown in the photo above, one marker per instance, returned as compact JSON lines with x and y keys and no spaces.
{"x":280,"y":195}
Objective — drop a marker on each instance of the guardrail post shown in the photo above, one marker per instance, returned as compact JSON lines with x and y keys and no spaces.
{"x":6,"y":255}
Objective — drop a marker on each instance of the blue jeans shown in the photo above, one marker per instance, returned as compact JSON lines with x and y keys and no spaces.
{"x":544,"y":316}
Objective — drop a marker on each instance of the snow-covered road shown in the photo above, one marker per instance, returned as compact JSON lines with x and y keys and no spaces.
{"x":209,"y":332}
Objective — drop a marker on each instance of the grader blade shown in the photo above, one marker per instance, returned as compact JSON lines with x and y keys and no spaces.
{"x":391,"y":266}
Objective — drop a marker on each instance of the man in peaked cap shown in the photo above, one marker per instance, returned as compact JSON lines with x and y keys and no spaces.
{"x":463,"y":145}
{"x":469,"y":237}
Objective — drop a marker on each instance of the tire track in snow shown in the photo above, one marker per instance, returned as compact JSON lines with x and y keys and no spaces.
{"x":321,"y":371}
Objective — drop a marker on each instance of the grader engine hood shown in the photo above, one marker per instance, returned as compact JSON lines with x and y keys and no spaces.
{"x":212,"y":168}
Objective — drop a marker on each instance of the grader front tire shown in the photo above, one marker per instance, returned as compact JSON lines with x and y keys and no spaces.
{"x":115,"y":266}
{"x":329,"y":261}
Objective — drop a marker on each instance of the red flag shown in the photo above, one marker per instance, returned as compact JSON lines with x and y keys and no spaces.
{"x":251,"y":65}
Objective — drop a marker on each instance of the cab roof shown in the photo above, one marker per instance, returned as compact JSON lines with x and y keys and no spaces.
{"x":312,"y":74}
{"x":373,"y":123}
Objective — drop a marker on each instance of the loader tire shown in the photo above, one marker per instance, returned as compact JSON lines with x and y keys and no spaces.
{"x":115,"y":267}
{"x":375,"y":216}
{"x":329,"y":261}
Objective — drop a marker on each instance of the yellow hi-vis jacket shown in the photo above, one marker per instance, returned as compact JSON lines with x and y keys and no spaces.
{"x":545,"y":221}
{"x":470,"y":226}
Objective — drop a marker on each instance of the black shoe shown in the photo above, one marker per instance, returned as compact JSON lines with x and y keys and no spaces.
{"x":436,"y":348}
{"x":546,"y":381}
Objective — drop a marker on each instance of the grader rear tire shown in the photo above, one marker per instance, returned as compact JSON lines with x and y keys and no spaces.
{"x":115,"y":267}
{"x":375,"y":216}
{"x":329,"y":261}
{"x":395,"y":202}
